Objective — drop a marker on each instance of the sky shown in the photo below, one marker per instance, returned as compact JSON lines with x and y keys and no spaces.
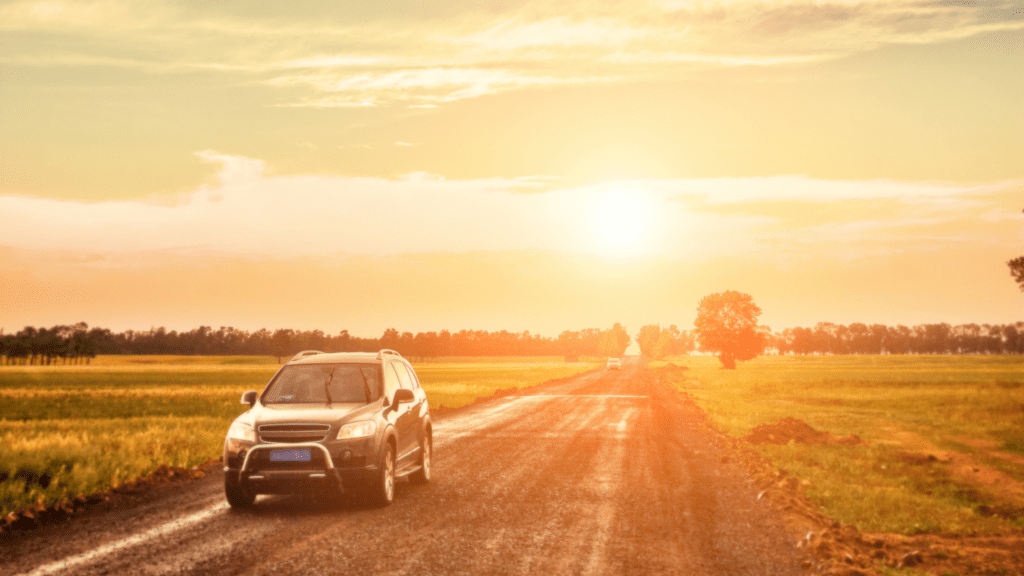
{"x":508,"y":165}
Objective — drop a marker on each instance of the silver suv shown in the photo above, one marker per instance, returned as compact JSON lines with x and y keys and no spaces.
{"x":331,"y":422}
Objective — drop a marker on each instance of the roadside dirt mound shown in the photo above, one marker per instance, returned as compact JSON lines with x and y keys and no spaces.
{"x":673,"y":369}
{"x":797,"y":430}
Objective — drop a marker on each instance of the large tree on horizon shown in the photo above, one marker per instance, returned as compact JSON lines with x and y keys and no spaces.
{"x":1017,"y":270}
{"x":727,"y":324}
{"x":614,"y":341}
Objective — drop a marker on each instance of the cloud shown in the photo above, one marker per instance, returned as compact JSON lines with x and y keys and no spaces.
{"x":646,"y":57}
{"x":339,"y":61}
{"x":776,"y":188}
{"x":515,"y":35}
{"x":249,"y":211}
{"x":394,"y":57}
{"x":443,"y":84}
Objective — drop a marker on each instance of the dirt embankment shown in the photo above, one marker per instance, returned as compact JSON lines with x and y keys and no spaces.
{"x":791,"y":429}
{"x":33,"y":517}
{"x":837,"y":549}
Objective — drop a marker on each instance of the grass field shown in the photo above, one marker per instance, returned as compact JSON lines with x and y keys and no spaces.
{"x":68,"y":430}
{"x":944,"y":434}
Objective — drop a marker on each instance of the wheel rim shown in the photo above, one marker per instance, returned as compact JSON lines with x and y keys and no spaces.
{"x":389,"y":475}
{"x":426,"y":459}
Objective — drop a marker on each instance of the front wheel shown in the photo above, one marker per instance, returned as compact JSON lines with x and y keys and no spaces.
{"x":382,"y":490}
{"x":422,"y":476}
{"x":238,"y":497}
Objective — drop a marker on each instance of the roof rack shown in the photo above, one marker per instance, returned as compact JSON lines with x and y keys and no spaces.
{"x":380,"y":355}
{"x":305,"y":353}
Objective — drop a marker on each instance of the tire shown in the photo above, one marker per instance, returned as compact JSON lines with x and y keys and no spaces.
{"x":382,"y":488}
{"x":238,"y":497}
{"x":422,"y":476}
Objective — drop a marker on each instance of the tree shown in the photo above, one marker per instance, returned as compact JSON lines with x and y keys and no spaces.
{"x":282,"y":342}
{"x":1017,"y":270}
{"x":647,"y":340}
{"x":727,"y":323}
{"x":614,"y":341}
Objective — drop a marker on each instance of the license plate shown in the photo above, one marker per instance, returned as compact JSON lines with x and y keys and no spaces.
{"x":293,"y":455}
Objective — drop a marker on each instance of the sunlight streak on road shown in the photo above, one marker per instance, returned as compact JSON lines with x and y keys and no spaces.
{"x":168,"y":528}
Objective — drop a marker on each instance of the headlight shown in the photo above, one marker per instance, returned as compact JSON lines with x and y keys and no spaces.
{"x":241,"y":431}
{"x":357,"y":430}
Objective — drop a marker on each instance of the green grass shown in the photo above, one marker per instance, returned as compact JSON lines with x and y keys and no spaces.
{"x":88,"y":428}
{"x":899,"y":405}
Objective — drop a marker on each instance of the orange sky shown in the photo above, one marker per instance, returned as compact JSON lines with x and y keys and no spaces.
{"x":523,"y":166}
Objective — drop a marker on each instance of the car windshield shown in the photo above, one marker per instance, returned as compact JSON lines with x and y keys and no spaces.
{"x":311,"y":383}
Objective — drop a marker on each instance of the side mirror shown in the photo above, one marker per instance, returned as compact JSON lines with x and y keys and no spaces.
{"x":249,"y":398}
{"x":404,"y":396}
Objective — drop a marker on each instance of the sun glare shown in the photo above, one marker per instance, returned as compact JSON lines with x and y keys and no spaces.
{"x":622,"y":223}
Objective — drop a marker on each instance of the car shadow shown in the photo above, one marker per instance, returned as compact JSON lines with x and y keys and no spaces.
{"x":321,"y":504}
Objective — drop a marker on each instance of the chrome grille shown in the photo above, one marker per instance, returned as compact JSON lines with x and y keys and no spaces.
{"x":293,"y":432}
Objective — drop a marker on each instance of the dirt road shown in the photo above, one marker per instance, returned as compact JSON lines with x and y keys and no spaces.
{"x":606,"y":474}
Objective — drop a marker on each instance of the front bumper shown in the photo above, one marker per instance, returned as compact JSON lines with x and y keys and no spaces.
{"x":255,"y":475}
{"x":264,"y":479}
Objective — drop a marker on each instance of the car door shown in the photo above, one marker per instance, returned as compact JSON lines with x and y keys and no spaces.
{"x":394,"y":411}
{"x":421,"y":395}
{"x":408,"y":437}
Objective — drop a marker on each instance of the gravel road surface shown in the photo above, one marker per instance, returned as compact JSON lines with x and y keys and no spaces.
{"x":609,"y":473}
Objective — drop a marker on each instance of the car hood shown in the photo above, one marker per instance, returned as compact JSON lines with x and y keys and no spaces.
{"x":317,"y":413}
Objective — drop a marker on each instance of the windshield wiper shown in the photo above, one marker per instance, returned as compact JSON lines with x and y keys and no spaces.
{"x":366,"y":385}
{"x":327,"y":386}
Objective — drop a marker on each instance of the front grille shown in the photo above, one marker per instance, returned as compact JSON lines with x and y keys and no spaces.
{"x":294,"y":432}
{"x":282,"y":438}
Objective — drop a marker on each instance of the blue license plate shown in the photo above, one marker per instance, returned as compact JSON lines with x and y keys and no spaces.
{"x":292,"y":455}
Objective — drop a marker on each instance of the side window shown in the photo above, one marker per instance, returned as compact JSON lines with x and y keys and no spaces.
{"x":415,"y":377}
{"x":390,"y":381}
{"x":403,"y":375}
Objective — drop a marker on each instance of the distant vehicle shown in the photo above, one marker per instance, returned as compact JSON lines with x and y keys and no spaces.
{"x":331,"y":423}
{"x":613,"y":364}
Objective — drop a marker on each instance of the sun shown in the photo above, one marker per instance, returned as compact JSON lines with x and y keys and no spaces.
{"x":622,"y":223}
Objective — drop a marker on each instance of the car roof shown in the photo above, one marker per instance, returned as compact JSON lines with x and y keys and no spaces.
{"x":340,"y":358}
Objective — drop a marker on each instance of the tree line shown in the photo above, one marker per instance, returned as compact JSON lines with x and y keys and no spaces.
{"x":79,"y":343}
{"x":856,"y":338}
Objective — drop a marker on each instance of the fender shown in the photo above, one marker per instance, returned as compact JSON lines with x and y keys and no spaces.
{"x":428,"y":429}
{"x":389,"y":434}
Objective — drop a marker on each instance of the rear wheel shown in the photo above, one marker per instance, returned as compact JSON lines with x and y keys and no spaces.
{"x":382,"y":490}
{"x":239,"y":497}
{"x":422,"y":476}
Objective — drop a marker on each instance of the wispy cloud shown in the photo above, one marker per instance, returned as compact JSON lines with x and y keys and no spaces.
{"x":249,"y":211}
{"x":391,"y":59}
{"x":513,"y":35}
{"x":441,"y":84}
